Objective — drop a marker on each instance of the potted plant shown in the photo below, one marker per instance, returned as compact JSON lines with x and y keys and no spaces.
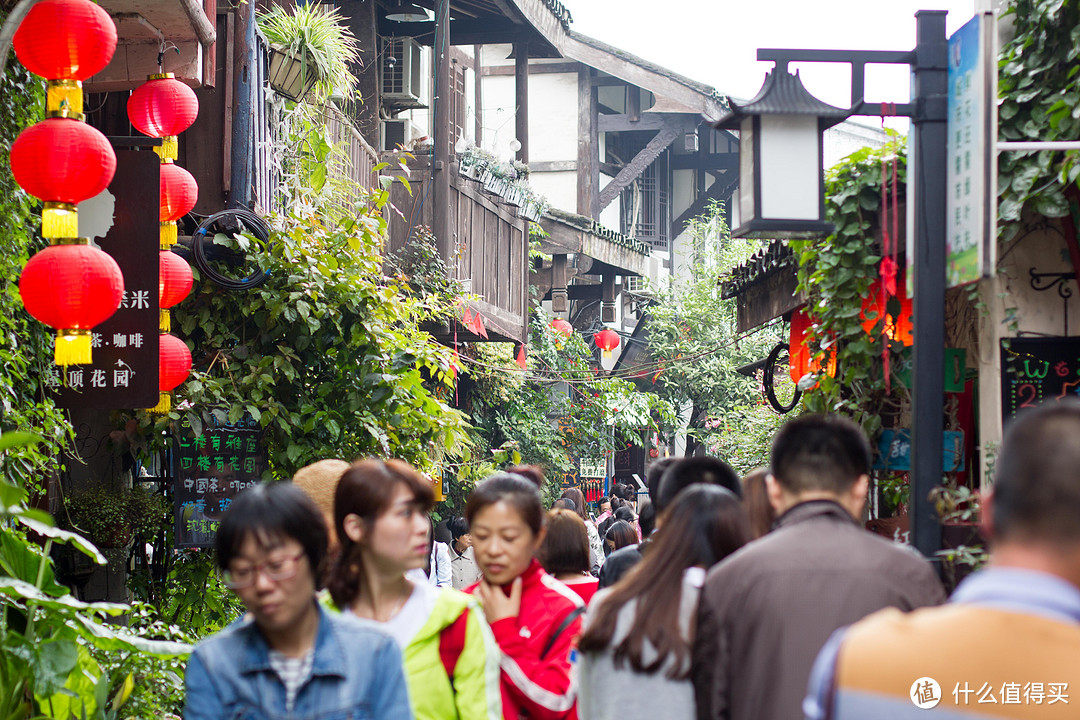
{"x":310,"y":47}
{"x":110,"y":517}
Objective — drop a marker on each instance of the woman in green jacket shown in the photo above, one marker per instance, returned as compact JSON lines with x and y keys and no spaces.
{"x":451,"y":659}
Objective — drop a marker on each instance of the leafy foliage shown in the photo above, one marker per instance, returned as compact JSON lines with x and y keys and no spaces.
{"x":1038,"y":70}
{"x":318,"y":35}
{"x":328,"y":355}
{"x":25,"y":344}
{"x":835,"y":273}
{"x":693,"y":341}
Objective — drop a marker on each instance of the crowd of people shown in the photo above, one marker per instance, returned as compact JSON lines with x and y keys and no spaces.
{"x":718,"y":597}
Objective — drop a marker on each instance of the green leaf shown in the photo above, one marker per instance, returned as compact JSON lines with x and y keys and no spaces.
{"x":25,"y":592}
{"x":18,"y":438}
{"x":63,"y":536}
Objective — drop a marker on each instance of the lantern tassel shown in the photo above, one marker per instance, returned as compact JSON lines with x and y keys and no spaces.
{"x":59,"y":220}
{"x":164,"y":404}
{"x":72,"y":347}
{"x":165,"y":321}
{"x":606,"y":354}
{"x":169,"y":148}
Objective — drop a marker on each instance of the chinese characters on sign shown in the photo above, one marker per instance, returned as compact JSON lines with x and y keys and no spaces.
{"x":1011,"y":693}
{"x":972,"y":155}
{"x":211,"y":469}
{"x":592,"y":468}
{"x":124,"y":371}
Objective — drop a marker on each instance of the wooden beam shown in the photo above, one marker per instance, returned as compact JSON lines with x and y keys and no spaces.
{"x":607,"y":81}
{"x":535,"y":69}
{"x":607,"y":300}
{"x":559,"y":302}
{"x":478,"y":94}
{"x":635,"y":167}
{"x":521,"y":98}
{"x":633,"y":104}
{"x":648,"y":121}
{"x":610,"y":168}
{"x":553,"y":166}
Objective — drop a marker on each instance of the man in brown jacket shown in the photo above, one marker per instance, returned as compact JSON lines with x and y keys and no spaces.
{"x":766,"y":610}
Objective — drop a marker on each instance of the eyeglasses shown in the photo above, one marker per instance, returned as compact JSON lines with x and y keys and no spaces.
{"x":277,"y":569}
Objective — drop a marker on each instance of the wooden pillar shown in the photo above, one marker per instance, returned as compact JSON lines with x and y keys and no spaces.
{"x":588,"y":148}
{"x":478,"y":93}
{"x":633,"y":103}
{"x":521,"y":98}
{"x":441,"y":130}
{"x":559,"y":301}
{"x":607,"y":305}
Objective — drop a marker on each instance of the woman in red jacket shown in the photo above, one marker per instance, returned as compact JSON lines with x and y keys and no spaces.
{"x":535,"y":618}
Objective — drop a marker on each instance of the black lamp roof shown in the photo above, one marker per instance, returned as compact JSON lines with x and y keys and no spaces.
{"x":782,"y":94}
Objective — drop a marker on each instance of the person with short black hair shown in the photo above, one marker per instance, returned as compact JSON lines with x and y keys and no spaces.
{"x":288,"y":656}
{"x":688,"y":471}
{"x":463,"y":569}
{"x":1019,"y":618}
{"x":565,"y":503}
{"x":596,"y":548}
{"x":766,"y":610}
{"x":565,"y":552}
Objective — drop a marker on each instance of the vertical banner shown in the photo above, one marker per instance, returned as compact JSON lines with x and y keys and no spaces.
{"x":212,"y":467}
{"x":972,"y":153}
{"x":124,"y":371}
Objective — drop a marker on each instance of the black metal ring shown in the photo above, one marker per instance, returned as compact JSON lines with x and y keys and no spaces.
{"x":768,"y":377}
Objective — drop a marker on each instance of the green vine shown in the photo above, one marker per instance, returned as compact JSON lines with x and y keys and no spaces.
{"x":1039,"y":100}
{"x":835,"y":274}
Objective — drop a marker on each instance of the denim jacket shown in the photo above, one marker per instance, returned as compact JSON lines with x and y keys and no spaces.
{"x":356,"y":674}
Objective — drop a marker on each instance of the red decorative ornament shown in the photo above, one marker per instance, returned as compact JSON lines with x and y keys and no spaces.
{"x":174,"y":279}
{"x":562,"y":327}
{"x":72,"y":39}
{"x":174,"y":362}
{"x":62,"y":160}
{"x":801,"y":359}
{"x":162,"y":106}
{"x":179,"y":192}
{"x":607,"y":340}
{"x":896,"y":310}
{"x":71,"y":288}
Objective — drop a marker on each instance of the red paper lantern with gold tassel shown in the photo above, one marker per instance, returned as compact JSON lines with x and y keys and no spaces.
{"x":607,"y":340}
{"x":179,"y":193}
{"x":174,"y":366}
{"x":174,"y":284}
{"x":163,"y":107}
{"x":71,"y":288}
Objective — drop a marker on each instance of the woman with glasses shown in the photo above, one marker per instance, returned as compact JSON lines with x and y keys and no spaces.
{"x":288,"y":656}
{"x":451,"y":660}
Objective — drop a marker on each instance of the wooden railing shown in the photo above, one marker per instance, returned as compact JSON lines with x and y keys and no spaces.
{"x":489,"y":246}
{"x":360,"y":157}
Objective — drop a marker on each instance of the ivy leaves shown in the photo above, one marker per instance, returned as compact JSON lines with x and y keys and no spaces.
{"x":1038,"y":71}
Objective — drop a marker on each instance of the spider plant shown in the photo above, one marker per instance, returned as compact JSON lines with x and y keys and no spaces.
{"x":316,"y":34}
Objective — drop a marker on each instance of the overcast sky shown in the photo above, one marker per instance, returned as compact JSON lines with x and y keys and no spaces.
{"x":716,"y":41}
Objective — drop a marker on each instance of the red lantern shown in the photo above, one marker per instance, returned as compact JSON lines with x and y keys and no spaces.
{"x":71,"y":39}
{"x":174,"y":366}
{"x":71,"y":288}
{"x":896,"y":310}
{"x":801,"y":359}
{"x":562,"y":327}
{"x":162,"y":106}
{"x":607,"y":340}
{"x":174,"y":279}
{"x":179,"y":192}
{"x":62,"y":160}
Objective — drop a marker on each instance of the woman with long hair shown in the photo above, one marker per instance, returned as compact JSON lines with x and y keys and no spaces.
{"x":534,"y":617}
{"x":638,"y":635}
{"x":451,"y":662}
{"x":596,"y":548}
{"x":621,"y":534}
{"x":565,"y":553}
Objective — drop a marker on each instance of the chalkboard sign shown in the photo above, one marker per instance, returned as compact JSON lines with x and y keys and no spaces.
{"x":212,"y":467}
{"x":1038,"y":370}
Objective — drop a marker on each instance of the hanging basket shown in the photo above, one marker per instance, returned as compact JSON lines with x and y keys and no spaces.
{"x":289,"y":75}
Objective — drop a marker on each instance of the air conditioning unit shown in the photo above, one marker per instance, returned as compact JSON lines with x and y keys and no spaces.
{"x":401,"y":71}
{"x":399,"y":132}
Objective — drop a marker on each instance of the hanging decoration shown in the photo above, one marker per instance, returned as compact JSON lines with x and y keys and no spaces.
{"x":801,"y":359}
{"x":607,"y":340}
{"x":174,"y":284}
{"x":562,"y":327}
{"x":891,"y":303}
{"x":163,"y":107}
{"x":174,"y":366}
{"x":62,"y":161}
{"x":71,"y":287}
{"x":521,"y":358}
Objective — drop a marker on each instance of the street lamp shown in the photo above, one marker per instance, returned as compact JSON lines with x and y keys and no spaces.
{"x":781,"y":149}
{"x":928,"y":111}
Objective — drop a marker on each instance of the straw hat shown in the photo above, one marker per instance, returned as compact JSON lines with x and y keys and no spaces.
{"x":319,"y":481}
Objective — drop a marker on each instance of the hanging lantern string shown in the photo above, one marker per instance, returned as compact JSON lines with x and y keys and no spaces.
{"x":166,"y":45}
{"x":552,"y":375}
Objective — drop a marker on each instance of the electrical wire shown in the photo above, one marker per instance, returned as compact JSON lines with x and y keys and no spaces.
{"x":247,"y":220}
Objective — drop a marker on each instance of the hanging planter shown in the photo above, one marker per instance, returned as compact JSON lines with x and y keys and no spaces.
{"x":289,"y":74}
{"x":310,"y":47}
